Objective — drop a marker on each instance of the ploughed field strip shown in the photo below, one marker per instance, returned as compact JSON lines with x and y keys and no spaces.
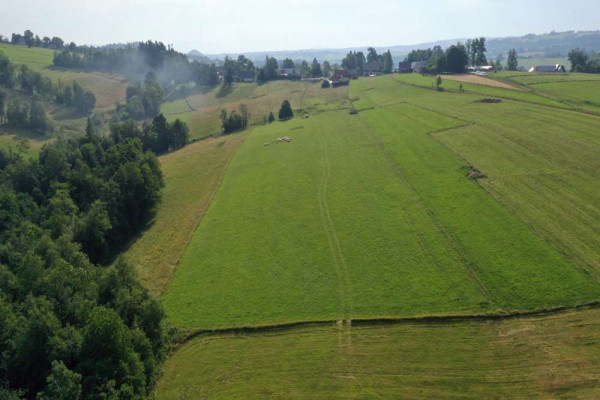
{"x":543,"y":357}
{"x":366,"y":216}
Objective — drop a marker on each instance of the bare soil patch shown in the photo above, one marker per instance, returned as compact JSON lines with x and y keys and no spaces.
{"x":480,"y":80}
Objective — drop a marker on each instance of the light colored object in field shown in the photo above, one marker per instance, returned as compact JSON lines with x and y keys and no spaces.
{"x":284,"y":139}
{"x":548,"y":68}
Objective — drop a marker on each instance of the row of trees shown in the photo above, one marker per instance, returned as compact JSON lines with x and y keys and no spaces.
{"x":582,"y":61}
{"x":69,"y":328}
{"x":357,"y":60}
{"x":454,"y":59}
{"x":33,"y":83}
{"x":30,"y":40}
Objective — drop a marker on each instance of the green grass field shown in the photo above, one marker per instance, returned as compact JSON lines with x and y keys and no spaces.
{"x":391,"y":232}
{"x":108,"y":88}
{"x":544,"y":357}
{"x":373,"y":216}
{"x":191,"y":176}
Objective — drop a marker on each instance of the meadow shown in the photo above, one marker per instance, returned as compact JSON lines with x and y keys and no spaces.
{"x":536,"y":357}
{"x":107,"y":88}
{"x":201,"y":111}
{"x":393,"y":224}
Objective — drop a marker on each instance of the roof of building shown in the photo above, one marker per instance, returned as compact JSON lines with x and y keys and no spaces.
{"x":246,"y":75}
{"x":417,"y":63}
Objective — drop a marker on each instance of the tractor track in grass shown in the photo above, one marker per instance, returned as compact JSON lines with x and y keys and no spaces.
{"x":332,"y":238}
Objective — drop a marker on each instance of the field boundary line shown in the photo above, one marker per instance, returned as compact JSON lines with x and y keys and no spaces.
{"x":567,"y":106}
{"x":203,"y":212}
{"x":391,"y":320}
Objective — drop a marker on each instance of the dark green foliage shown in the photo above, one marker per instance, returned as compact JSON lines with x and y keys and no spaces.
{"x":232,"y":122}
{"x":142,"y":101}
{"x":419,"y":55}
{"x":288,"y":63}
{"x":68,"y":326}
{"x":579,"y":60}
{"x":31,"y":115}
{"x":512,"y":63}
{"x":271,"y":117}
{"x":388,"y":63}
{"x":7,"y":71}
{"x":270,"y":70}
{"x":325,"y":84}
{"x":63,"y":384}
{"x":286,"y":112}
{"x":315,"y":69}
{"x":159,"y":137}
{"x":456,"y":58}
{"x":354,"y":60}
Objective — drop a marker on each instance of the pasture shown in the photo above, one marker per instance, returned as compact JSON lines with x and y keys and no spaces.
{"x":373,"y":216}
{"x":108,"y":88}
{"x":202,"y":111}
{"x":537,"y":357}
{"x":394,"y":225}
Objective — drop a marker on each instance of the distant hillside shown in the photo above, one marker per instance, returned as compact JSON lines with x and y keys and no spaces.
{"x":547,"y":45}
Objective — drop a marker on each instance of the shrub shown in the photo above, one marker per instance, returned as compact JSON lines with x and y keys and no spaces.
{"x":286,"y":112}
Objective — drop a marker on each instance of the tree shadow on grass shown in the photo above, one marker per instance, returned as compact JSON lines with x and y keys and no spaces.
{"x":224,"y":91}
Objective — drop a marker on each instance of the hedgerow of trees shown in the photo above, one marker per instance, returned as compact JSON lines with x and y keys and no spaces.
{"x":70,"y":328}
{"x":582,"y":61}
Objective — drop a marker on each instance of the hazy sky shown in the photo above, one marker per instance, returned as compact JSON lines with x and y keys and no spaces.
{"x":245,"y":25}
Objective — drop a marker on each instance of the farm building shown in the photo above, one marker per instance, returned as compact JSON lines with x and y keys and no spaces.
{"x":404,"y":67}
{"x":339,"y":74}
{"x":246,"y":76}
{"x":416,"y":66}
{"x":372,"y":68}
{"x":289,"y":72}
{"x":548,"y":68}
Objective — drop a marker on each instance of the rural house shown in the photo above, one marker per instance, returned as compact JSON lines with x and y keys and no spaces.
{"x":416,"y":66}
{"x":339,"y":74}
{"x":372,"y":68}
{"x":404,"y":67}
{"x":246,"y":76}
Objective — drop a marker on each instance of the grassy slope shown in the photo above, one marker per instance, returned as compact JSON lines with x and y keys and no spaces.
{"x":191,"y":177}
{"x":108,"y":88}
{"x":202,"y":111}
{"x":550,"y":357}
{"x":398,"y":227}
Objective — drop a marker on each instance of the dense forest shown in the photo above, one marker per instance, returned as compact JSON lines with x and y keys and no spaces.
{"x":69,"y":327}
